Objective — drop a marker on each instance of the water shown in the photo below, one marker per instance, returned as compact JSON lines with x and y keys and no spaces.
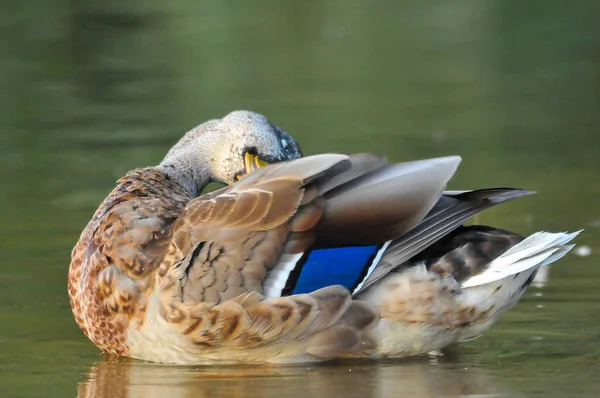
{"x":89,"y":90}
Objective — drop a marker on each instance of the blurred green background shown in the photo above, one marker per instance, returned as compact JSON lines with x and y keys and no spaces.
{"x":92,"y":89}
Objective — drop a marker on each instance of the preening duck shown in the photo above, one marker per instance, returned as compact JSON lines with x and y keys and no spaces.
{"x":296,"y":259}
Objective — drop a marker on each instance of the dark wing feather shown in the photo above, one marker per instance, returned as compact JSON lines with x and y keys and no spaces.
{"x":467,"y":251}
{"x":450,"y":212}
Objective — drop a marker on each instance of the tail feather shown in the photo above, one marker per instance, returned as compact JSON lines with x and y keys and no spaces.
{"x":539,"y":249}
{"x":560,"y":253}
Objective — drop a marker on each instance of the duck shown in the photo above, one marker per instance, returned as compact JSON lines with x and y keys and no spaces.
{"x":295,"y":259}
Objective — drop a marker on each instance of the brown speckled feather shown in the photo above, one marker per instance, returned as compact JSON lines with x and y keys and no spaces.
{"x":224,"y":245}
{"x":156,"y":264}
{"x":229,"y":241}
{"x":114,"y":263}
{"x":162,"y":276}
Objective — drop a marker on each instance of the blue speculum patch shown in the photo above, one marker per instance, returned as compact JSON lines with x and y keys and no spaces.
{"x":346,"y":266}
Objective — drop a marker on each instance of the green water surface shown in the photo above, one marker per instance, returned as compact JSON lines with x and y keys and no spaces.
{"x":92,"y":89}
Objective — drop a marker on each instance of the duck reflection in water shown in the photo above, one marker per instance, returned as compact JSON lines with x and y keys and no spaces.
{"x":120,"y":378}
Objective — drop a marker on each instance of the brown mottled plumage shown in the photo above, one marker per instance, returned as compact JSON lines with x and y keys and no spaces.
{"x":199,"y":264}
{"x":114,"y":263}
{"x":157,"y":272}
{"x":222,"y":249}
{"x":163,"y":274}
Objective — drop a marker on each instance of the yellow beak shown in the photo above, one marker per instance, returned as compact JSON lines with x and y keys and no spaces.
{"x":252,"y":162}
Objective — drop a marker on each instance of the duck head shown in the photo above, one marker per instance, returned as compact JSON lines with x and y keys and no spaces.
{"x":224,"y":150}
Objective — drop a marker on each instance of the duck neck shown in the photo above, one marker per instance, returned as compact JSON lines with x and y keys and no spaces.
{"x":190,"y":170}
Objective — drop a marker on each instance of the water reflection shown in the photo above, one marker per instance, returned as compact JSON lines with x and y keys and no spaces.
{"x":417,"y":378}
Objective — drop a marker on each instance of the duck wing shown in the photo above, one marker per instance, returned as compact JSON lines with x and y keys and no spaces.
{"x":225,"y":244}
{"x":451,"y":211}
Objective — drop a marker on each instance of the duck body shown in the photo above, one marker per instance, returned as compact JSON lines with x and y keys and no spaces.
{"x":308,"y":259}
